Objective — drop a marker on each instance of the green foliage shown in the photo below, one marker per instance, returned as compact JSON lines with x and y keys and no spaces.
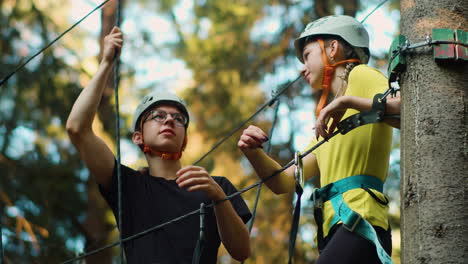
{"x":39,"y":173}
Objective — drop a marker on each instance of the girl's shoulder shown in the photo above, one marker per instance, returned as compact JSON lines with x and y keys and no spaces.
{"x":365,"y":81}
{"x":366,"y":70}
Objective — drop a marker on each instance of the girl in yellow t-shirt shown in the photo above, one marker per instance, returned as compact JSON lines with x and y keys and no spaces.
{"x":351,"y":211}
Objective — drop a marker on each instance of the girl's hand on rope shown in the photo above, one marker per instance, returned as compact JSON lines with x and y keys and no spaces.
{"x":112,"y":45}
{"x":195,"y":178}
{"x":334,"y":110}
{"x":251,"y":138}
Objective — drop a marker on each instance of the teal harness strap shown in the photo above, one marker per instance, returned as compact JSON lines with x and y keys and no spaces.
{"x":354,"y":182}
{"x":346,"y":184}
{"x":355,"y":223}
{"x":352,"y":221}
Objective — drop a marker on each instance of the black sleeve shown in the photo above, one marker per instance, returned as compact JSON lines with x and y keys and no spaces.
{"x":237,"y":201}
{"x":111,"y":194}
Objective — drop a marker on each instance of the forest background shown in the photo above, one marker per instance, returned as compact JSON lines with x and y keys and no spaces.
{"x":225,"y":58}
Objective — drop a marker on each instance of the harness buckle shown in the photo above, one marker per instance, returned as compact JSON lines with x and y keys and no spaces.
{"x":351,"y":221}
{"x":318,"y":202}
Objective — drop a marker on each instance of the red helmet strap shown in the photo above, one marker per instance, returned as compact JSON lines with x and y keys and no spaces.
{"x":329,"y":70}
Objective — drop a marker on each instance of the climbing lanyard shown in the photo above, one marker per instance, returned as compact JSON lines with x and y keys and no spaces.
{"x":299,"y":182}
{"x":351,"y":220}
{"x":201,"y":238}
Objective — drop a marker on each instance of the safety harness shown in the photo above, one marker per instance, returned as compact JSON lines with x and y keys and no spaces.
{"x":351,"y":220}
{"x":328,"y":76}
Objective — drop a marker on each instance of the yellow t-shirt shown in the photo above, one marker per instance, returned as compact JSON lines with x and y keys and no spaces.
{"x":364,"y":150}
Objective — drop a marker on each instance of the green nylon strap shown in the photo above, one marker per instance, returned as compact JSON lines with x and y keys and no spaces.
{"x":355,"y":223}
{"x":352,"y":220}
{"x":354,"y":182}
{"x":357,"y":181}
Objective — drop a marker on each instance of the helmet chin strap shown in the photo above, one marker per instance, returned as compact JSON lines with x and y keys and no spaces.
{"x":165,"y":155}
{"x":327,"y":76}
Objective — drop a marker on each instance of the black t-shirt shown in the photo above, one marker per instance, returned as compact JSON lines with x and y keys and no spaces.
{"x":148,"y":201}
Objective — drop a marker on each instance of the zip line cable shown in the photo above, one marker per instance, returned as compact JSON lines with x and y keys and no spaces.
{"x":269,"y":103}
{"x":6,"y":78}
{"x":268,"y":149}
{"x":370,"y":13}
{"x":117,"y":133}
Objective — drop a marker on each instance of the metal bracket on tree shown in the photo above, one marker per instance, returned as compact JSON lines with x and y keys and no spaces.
{"x":450,"y":52}
{"x":449,"y":46}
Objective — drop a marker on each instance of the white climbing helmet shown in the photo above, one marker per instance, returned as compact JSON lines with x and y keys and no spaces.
{"x":346,"y":27}
{"x":156,"y":98}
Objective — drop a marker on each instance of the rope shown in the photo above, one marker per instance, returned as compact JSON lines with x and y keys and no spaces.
{"x":117,"y":134}
{"x":268,"y":149}
{"x":5,"y":79}
{"x":377,"y":7}
{"x":142,"y":233}
{"x":269,"y":103}
{"x":259,"y":189}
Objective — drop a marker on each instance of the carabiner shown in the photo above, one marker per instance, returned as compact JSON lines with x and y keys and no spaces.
{"x":298,"y":170}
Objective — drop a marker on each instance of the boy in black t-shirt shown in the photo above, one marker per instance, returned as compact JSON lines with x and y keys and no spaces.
{"x":165,"y":190}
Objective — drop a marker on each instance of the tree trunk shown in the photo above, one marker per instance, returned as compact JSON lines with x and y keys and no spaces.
{"x":106,"y":109}
{"x":434,"y":161}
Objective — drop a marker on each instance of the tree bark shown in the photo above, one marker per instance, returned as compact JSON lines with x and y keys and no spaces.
{"x":106,"y":109}
{"x":434,"y":161}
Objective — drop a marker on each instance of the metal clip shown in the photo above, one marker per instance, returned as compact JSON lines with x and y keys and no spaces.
{"x":352,"y":221}
{"x":428,"y":39}
{"x":395,"y":86}
{"x":298,"y":170}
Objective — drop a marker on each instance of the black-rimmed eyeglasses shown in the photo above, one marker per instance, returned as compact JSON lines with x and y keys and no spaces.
{"x":160,"y":116}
